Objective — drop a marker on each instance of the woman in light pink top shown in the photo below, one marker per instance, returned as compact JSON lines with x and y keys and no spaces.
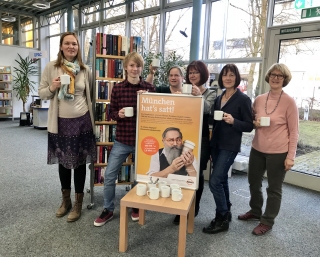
{"x":273,"y":147}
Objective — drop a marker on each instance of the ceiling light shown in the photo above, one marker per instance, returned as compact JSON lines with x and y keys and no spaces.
{"x":41,"y":4}
{"x":9,"y":18}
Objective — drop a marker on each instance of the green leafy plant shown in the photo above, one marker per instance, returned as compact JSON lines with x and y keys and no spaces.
{"x":22,"y":83}
{"x":166,"y":62}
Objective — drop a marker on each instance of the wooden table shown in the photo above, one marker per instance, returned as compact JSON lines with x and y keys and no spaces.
{"x":166,"y":205}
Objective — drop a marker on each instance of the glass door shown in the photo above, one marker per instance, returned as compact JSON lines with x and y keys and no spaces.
{"x":297,"y":46}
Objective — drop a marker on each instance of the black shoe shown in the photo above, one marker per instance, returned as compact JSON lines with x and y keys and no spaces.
{"x":217,"y":225}
{"x":176,"y":220}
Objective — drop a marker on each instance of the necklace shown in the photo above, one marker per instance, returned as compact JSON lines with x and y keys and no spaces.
{"x":227,"y":98}
{"x":265,"y":106}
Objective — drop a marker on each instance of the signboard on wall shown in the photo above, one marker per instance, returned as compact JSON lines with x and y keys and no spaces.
{"x":165,"y":124}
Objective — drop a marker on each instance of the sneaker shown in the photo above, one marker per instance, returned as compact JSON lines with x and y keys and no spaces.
{"x":248,"y":216}
{"x":261,"y":229}
{"x":105,"y":216}
{"x":135,"y":214}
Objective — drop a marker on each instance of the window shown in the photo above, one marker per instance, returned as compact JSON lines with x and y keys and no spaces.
{"x":115,"y":11}
{"x":178,"y":32}
{"x":26,"y":32}
{"x":89,"y":37}
{"x":148,"y":29}
{"x":54,"y":47}
{"x":90,"y":14}
{"x":144,"y":4}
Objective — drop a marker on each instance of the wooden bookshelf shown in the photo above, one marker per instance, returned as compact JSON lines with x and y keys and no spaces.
{"x":6,"y":107}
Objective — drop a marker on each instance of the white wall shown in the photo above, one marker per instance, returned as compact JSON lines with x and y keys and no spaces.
{"x":8,"y":54}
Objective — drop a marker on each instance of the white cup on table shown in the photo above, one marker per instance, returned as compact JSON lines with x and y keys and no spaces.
{"x":153,"y":193}
{"x":165,"y":191}
{"x":176,"y":195}
{"x":141,"y":189}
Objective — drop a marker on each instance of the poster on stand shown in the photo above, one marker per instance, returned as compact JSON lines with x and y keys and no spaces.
{"x":168,"y":138}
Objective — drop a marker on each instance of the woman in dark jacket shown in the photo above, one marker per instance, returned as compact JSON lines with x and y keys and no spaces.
{"x":226,"y":142}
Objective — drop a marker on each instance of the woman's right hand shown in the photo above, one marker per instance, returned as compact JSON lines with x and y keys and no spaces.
{"x":55,"y":84}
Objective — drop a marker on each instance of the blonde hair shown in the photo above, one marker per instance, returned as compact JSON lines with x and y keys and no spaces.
{"x":283,"y":69}
{"x":135,"y":57}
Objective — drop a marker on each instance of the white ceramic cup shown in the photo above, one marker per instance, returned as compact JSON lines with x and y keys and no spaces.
{"x":174,"y":186}
{"x":141,"y":189}
{"x":265,"y":121}
{"x":176,"y":195}
{"x":187,"y":89}
{"x":188,"y":146}
{"x":149,"y":185}
{"x":65,"y":79}
{"x":165,"y":191}
{"x":153,"y":193}
{"x":218,"y":115}
{"x":155,"y":63}
{"x":128,"y":111}
{"x":162,"y":183}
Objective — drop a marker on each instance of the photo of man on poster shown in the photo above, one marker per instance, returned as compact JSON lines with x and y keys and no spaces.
{"x":171,"y":159}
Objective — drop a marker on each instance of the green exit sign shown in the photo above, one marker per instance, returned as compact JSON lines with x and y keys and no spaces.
{"x":290,"y":30}
{"x":310,"y":12}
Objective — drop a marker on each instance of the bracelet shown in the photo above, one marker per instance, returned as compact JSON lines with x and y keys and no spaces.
{"x":50,"y":90}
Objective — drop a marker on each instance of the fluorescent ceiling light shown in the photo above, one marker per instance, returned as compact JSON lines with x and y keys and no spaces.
{"x":9,"y":18}
{"x":41,"y":4}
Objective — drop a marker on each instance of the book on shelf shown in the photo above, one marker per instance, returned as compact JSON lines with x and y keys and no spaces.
{"x":5,"y":69}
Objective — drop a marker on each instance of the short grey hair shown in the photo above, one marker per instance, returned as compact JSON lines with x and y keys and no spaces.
{"x":164,"y":134}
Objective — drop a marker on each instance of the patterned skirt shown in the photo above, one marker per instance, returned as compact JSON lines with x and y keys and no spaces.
{"x":74,"y":144}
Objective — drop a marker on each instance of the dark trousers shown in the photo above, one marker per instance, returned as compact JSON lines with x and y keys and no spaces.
{"x":259,"y":163}
{"x":79,"y":178}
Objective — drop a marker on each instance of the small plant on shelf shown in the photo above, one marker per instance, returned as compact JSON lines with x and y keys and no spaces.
{"x":22,"y":83}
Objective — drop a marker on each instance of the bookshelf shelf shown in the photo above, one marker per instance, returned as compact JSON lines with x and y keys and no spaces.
{"x":109,"y":79}
{"x":6,"y":111}
{"x":109,"y":56}
{"x":105,"y":122}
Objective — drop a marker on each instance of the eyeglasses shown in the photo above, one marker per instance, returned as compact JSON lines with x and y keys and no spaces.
{"x":279,"y":76}
{"x":193,"y":73}
{"x":172,"y":140}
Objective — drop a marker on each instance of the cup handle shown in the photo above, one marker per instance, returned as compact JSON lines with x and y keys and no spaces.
{"x":180,"y":197}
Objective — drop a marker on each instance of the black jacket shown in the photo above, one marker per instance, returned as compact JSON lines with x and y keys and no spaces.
{"x":226,"y":136}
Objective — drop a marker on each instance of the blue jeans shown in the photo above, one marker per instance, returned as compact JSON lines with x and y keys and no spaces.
{"x":118,"y":155}
{"x":218,"y":182}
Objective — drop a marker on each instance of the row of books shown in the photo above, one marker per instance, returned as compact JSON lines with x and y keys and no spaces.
{"x":5,"y":86}
{"x":105,"y":133}
{"x":111,"y":68}
{"x":5,"y":95}
{"x":6,"y":111}
{"x":108,"y":44}
{"x":5,"y":77}
{"x":5,"y":69}
{"x":5,"y":103}
{"x":102,"y":112}
{"x":103,"y":153}
{"x":104,"y":89}
{"x":124,"y":175}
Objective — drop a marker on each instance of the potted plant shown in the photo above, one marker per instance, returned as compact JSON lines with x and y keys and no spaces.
{"x":23,"y":84}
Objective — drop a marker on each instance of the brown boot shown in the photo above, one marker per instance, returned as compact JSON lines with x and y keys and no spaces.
{"x":76,"y":210}
{"x":66,"y":203}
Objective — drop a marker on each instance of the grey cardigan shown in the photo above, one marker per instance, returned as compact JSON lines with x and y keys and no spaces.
{"x":50,"y":72}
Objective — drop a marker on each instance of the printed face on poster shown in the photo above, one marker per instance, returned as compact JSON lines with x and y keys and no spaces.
{"x":168,"y":141}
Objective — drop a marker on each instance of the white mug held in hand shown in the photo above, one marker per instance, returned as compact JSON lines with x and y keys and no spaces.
{"x":65,"y":79}
{"x":155,"y":63}
{"x":265,"y":121}
{"x":153,"y":193}
{"x":218,"y":115}
{"x":176,"y":195}
{"x":165,"y":191}
{"x":187,"y":89}
{"x":128,"y":111}
{"x":141,"y":189}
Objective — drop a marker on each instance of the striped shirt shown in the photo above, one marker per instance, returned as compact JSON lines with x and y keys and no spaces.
{"x":124,"y":94}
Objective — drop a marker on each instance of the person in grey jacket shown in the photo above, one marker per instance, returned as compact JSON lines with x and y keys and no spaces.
{"x":226,"y":142}
{"x":71,"y":140}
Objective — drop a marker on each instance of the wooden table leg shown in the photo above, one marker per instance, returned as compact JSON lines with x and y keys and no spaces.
{"x":191,"y":216}
{"x":142,"y":216}
{"x":123,"y":235}
{"x":182,"y":236}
